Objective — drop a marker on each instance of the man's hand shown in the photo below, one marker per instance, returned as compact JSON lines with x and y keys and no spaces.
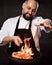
{"x":17,"y":40}
{"x":46,"y":23}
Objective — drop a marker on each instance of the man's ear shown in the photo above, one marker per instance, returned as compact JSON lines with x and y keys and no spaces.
{"x":24,"y":5}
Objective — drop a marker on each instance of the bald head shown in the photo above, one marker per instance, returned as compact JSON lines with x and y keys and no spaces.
{"x":29,"y":8}
{"x":33,"y":2}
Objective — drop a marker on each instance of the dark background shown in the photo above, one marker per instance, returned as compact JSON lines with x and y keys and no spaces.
{"x":12,"y":8}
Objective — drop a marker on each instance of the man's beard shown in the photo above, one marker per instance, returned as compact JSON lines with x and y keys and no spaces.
{"x":27,"y":18}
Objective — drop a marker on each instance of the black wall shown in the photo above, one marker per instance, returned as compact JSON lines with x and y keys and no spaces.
{"x":12,"y":8}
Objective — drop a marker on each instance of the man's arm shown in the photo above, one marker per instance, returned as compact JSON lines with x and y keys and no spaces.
{"x":46,"y":24}
{"x":6,"y":33}
{"x":34,"y":30}
{"x":16,"y":39}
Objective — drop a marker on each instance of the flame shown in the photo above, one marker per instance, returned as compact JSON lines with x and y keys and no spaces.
{"x":25,"y":52}
{"x":26,"y":48}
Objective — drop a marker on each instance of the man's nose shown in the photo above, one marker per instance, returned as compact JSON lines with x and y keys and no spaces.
{"x":30,"y":12}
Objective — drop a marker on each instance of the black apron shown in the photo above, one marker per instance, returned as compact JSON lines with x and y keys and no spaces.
{"x":23,"y":33}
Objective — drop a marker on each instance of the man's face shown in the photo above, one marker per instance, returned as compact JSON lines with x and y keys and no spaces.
{"x":29,"y":9}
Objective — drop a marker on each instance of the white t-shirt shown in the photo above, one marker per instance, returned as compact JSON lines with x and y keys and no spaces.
{"x":9,"y":27}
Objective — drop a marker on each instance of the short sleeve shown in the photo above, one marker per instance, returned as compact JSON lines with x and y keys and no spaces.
{"x":4,"y":30}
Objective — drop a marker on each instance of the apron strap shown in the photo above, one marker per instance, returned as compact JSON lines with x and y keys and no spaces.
{"x":30,"y":24}
{"x":18,"y":24}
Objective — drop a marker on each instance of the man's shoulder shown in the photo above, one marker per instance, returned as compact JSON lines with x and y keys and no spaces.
{"x":37,"y":19}
{"x":12,"y":18}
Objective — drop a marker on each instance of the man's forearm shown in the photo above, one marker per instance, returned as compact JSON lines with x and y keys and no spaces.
{"x":7,"y":39}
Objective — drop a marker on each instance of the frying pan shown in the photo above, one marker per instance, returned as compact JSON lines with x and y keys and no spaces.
{"x":22,"y":61}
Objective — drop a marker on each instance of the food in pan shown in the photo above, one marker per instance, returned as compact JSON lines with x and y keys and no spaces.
{"x":25,"y":52}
